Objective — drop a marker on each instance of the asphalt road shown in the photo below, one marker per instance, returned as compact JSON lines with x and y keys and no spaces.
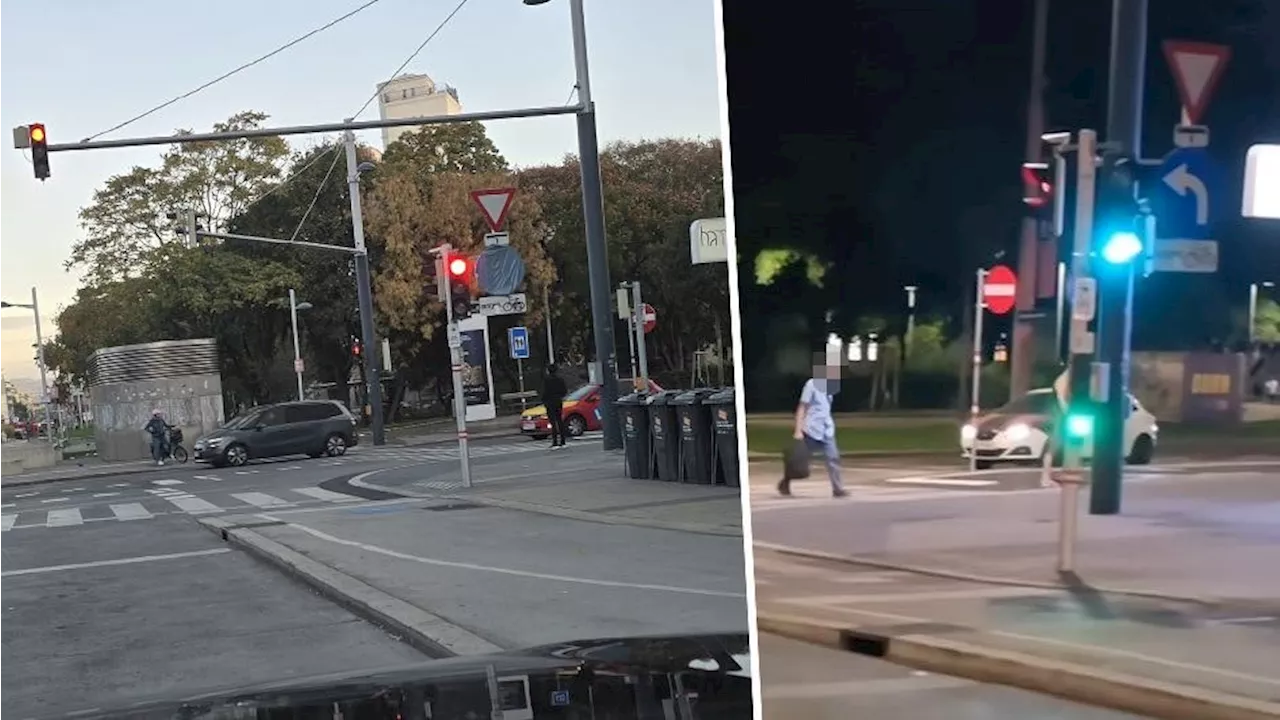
{"x":101,"y":615}
{"x":195,"y":489}
{"x":805,"y":681}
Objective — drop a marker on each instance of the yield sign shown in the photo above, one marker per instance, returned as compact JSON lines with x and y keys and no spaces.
{"x":1197,"y":67}
{"x":494,"y":205}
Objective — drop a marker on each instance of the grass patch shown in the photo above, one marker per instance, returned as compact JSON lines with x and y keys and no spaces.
{"x":933,"y":437}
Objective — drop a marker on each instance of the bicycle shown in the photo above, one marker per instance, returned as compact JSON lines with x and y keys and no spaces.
{"x":176,"y":451}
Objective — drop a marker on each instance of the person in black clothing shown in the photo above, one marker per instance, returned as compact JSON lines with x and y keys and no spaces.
{"x":158,"y":429}
{"x":553,"y":392}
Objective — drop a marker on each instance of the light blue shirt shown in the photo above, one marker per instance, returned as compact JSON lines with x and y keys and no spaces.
{"x":818,"y":423}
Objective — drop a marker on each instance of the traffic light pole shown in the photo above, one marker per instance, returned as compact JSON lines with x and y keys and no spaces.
{"x":1124,"y":141}
{"x":454,"y":337}
{"x":364,"y":290}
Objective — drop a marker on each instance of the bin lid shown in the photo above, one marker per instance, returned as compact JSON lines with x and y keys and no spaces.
{"x":663,"y":398}
{"x":692,"y":397}
{"x":634,"y":398}
{"x":722,"y":396}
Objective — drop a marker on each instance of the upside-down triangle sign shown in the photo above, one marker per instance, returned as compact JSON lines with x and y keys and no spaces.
{"x":494,"y":204}
{"x":1197,"y":67}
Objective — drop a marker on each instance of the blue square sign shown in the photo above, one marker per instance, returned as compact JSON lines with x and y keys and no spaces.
{"x":559,"y":698}
{"x":518,"y":339}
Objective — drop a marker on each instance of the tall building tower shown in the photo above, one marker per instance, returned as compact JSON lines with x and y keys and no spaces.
{"x":410,"y":96}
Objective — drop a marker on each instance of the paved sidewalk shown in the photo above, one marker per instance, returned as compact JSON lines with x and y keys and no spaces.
{"x":80,"y":468}
{"x":444,"y":430}
{"x":1172,"y":602}
{"x":580,"y":482}
{"x":519,"y":560}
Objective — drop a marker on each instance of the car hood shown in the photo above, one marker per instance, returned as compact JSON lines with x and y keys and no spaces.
{"x":999,"y":422}
{"x":562,"y":665}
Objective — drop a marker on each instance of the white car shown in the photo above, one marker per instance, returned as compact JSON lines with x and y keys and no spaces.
{"x":1018,"y":432}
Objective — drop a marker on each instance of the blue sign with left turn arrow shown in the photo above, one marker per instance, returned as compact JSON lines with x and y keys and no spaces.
{"x":1185,"y":194}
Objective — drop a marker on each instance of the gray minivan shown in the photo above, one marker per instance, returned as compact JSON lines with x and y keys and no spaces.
{"x":310,"y":427}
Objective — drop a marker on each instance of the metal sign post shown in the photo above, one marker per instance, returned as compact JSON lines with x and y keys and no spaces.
{"x":624,"y":313}
{"x":976,"y":392}
{"x":1068,"y":517}
{"x":638,"y":322}
{"x":518,"y":342}
{"x":455,"y":361}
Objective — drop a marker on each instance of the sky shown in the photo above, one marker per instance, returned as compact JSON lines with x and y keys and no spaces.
{"x":653,"y":74}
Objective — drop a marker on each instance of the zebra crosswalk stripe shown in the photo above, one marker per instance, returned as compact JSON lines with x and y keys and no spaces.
{"x":192,"y":504}
{"x":130,"y":511}
{"x":326,"y":495}
{"x":261,"y":500}
{"x":62,"y":518}
{"x":7,"y":521}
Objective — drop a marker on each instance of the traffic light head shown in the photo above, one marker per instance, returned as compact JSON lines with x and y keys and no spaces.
{"x":39,"y":150}
{"x":1121,"y":246}
{"x":458,"y":267}
{"x":1079,"y":425}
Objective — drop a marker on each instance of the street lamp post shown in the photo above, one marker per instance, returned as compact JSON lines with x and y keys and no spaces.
{"x":593,"y":216}
{"x":911,"y":317}
{"x":1253,"y":307}
{"x":294,"y":307}
{"x":34,"y":307}
{"x":364,"y":289}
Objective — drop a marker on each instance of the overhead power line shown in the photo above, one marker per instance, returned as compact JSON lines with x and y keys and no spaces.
{"x":417,"y":51}
{"x":245,"y":66}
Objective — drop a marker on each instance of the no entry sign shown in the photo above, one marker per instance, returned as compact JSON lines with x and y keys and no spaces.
{"x":999,"y":289}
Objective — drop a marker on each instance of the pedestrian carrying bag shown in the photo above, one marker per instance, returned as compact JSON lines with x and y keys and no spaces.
{"x":796,"y":459}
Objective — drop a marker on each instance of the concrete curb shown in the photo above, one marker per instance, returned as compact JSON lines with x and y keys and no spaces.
{"x":1066,"y":680}
{"x":975,"y":578}
{"x":554,"y":511}
{"x":425,"y":632}
{"x":20,"y":481}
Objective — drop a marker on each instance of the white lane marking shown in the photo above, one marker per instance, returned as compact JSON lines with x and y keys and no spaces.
{"x":55,"y":500}
{"x":290,"y":467}
{"x":63,"y":518}
{"x":327,"y":495}
{"x":106,"y":494}
{"x":261,"y":500}
{"x":204,"y":477}
{"x":192,"y":504}
{"x":7,"y":521}
{"x":121,"y":561}
{"x":26,"y":495}
{"x":166,"y":482}
{"x":118,"y":485}
{"x":958,"y":482}
{"x":130,"y":511}
{"x":5,"y":505}
{"x":509,"y":571}
{"x":247,"y":472}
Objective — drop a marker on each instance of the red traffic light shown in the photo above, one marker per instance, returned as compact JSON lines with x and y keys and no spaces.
{"x":458,"y":266}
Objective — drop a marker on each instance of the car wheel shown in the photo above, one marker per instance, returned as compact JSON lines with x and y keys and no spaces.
{"x":576,"y":425}
{"x":335,"y":445}
{"x":236,"y":455}
{"x":1143,"y":450}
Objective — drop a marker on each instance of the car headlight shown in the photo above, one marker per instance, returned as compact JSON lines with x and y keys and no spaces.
{"x":968,"y":433}
{"x":212,"y":442}
{"x":1018,"y":431}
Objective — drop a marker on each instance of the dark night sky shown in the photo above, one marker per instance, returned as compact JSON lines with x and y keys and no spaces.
{"x":887,"y":135}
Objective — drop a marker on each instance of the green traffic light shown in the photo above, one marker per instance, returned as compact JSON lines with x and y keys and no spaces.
{"x":1121,"y":247}
{"x":1079,"y":425}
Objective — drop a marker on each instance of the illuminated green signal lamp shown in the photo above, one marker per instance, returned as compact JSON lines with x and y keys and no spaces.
{"x":1121,"y":247}
{"x":1079,"y":425}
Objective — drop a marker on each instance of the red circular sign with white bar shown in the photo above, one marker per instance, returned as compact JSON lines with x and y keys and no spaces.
{"x":1000,"y":289}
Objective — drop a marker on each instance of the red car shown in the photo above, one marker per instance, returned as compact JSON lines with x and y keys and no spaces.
{"x":581,"y":411}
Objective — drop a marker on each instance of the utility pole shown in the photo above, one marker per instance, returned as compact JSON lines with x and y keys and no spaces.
{"x":364,"y":289}
{"x":1026,"y":319}
{"x":597,"y":247}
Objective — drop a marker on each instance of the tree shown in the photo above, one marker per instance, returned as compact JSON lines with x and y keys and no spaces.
{"x":420,"y":199}
{"x":127,"y":223}
{"x":1267,"y":322}
{"x":653,"y":190}
{"x":107,"y":314}
{"x":325,"y":279}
